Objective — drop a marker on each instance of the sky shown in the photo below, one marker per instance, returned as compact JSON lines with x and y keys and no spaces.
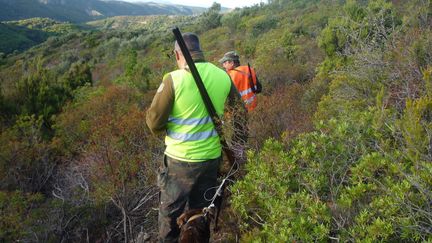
{"x":207,"y":3}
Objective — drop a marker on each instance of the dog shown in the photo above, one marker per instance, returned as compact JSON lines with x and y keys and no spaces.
{"x":194,"y":226}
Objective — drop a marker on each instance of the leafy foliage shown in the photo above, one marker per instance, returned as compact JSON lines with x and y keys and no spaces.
{"x":27,"y":162}
{"x":211,"y":18}
{"x":17,"y":36}
{"x":349,"y":180}
{"x":363,"y":165}
{"x":16,"y":219}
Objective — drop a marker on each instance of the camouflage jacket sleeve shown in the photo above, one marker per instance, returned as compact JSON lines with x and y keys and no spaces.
{"x":161,"y":106}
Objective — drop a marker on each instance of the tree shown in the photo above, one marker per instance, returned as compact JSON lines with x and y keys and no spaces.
{"x":26,"y":161}
{"x":41,"y":95}
{"x":211,"y":18}
{"x":79,"y":74}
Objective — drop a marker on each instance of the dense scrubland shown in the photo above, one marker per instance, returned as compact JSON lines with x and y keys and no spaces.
{"x":340,"y":145}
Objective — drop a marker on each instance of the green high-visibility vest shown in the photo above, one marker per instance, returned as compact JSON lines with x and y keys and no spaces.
{"x":191,"y":135}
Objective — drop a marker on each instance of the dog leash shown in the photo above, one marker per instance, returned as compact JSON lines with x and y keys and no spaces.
{"x":219,"y":194}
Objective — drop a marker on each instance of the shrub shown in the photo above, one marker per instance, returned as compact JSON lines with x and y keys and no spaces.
{"x":210,"y":19}
{"x":110,"y":147}
{"x":363,"y":172}
{"x":279,"y":115}
{"x":347,"y":181}
{"x":269,"y":198}
{"x":78,"y":75}
{"x":261,"y":24}
{"x":18,"y":217}
{"x":27,"y":162}
{"x":231,"y":20}
{"x":136,"y":75}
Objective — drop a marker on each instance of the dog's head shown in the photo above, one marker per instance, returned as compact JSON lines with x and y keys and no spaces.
{"x":194,"y":226}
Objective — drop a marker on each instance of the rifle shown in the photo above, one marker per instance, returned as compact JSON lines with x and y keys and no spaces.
{"x":251,"y":83}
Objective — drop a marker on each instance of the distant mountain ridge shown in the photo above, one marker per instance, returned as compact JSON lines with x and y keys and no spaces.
{"x":86,"y":10}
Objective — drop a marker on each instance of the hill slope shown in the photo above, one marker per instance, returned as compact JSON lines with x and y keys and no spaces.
{"x":23,"y":34}
{"x":19,"y":38}
{"x":85,"y":10}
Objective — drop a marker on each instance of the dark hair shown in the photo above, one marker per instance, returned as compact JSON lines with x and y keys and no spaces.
{"x":236,"y":62}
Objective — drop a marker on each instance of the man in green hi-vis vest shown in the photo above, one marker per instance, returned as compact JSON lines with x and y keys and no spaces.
{"x":188,"y":175}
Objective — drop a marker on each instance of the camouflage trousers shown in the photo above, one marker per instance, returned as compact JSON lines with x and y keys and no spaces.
{"x":183,"y":184}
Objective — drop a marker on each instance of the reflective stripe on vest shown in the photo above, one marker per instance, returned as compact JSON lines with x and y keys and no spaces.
{"x":191,"y":135}
{"x":190,"y":121}
{"x":248,"y":91}
{"x":250,"y":100}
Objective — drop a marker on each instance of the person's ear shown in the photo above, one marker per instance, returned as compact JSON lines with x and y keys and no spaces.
{"x":177,"y":55}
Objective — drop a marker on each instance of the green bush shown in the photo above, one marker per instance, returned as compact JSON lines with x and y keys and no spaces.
{"x":27,"y":162}
{"x":210,"y":19}
{"x":261,"y":24}
{"x":349,"y":180}
{"x":271,"y":198}
{"x":363,"y":174}
{"x":79,"y":75}
{"x":18,"y":217}
{"x":231,"y":20}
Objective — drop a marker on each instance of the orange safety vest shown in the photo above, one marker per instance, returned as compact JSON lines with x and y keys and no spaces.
{"x":240,"y":78}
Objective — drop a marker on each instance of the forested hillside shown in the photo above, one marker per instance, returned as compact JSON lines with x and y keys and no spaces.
{"x":17,"y":36}
{"x":339,"y":148}
{"x":78,"y":11}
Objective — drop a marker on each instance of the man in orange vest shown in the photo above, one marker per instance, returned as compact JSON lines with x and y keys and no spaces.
{"x":243,"y":77}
